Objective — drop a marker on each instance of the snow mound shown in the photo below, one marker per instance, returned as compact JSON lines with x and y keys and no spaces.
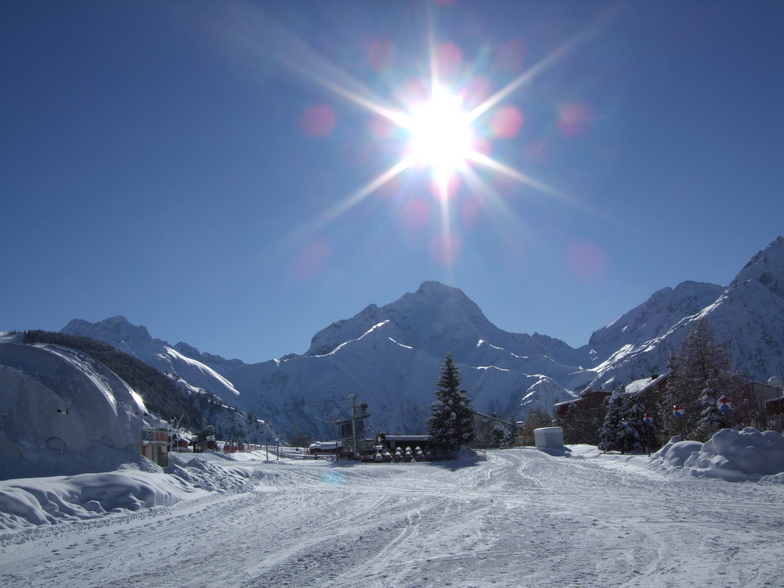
{"x":137,"y":483}
{"x":49,"y":501}
{"x":206,"y":476}
{"x":731,"y":455}
{"x":675,"y":453}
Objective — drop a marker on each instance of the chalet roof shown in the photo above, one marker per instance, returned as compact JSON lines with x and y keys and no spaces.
{"x":640,"y":386}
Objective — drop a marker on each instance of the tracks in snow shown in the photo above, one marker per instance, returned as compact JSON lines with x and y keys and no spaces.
{"x":520,"y":518}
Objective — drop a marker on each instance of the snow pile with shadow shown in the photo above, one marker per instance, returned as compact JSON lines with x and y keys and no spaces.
{"x":31,"y":502}
{"x":745,"y":455}
{"x":135,"y":484}
{"x":202,"y":474}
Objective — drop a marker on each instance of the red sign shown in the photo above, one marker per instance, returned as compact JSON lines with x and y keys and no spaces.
{"x":155,"y":437}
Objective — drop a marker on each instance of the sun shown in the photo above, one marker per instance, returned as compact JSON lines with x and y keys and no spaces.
{"x":440,"y":133}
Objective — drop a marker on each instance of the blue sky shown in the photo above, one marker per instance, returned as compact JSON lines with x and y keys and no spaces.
{"x":198,"y":167}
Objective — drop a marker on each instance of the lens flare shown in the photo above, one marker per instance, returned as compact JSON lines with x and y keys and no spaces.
{"x":441,"y":133}
{"x":311,"y":259}
{"x":575,"y":119}
{"x":506,"y":122}
{"x":586,"y":260}
{"x":318,"y":120}
{"x":442,"y":120}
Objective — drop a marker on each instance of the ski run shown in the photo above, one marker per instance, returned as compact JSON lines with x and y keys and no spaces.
{"x":517,"y":517}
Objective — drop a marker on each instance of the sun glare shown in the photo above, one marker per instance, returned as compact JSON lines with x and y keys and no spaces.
{"x":441,"y":135}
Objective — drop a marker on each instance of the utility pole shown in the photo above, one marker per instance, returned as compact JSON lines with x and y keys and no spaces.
{"x":353,"y":424}
{"x":350,"y":429}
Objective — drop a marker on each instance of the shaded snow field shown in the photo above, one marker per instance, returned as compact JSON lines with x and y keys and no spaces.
{"x":520,"y":518}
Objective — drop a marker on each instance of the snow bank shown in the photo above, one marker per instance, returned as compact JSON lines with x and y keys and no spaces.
{"x":136,"y":483}
{"x":202,"y":474}
{"x":49,"y":501}
{"x":730,"y":455}
{"x":584,"y":451}
{"x":675,"y":453}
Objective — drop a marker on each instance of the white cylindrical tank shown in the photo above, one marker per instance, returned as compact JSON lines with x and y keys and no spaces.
{"x":549,"y":438}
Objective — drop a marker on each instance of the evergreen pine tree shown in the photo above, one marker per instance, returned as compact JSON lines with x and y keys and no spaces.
{"x":514,"y":429}
{"x":711,"y":418}
{"x":582,"y":425}
{"x":637,"y":429}
{"x":501,"y":435}
{"x":612,"y":434}
{"x":451,"y":422}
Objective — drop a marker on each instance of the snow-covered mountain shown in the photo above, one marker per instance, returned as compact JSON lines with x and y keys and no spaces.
{"x":442,"y":319}
{"x":749,"y":314}
{"x":654,"y":317}
{"x":199,"y":370}
{"x":390,"y":356}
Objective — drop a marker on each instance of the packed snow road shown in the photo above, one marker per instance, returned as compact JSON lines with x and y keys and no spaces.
{"x":521,"y":518}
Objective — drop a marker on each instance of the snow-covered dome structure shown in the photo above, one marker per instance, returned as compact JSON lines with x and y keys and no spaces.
{"x":59,"y":399}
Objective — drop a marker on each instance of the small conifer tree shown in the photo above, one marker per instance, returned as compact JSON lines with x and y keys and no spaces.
{"x":612,"y":433}
{"x":711,"y":418}
{"x":451,"y":422}
{"x":637,"y":429}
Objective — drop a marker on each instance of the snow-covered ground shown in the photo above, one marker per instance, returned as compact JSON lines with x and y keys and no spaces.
{"x":520,"y":518}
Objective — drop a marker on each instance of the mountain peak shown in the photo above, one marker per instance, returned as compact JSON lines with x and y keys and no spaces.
{"x":443,"y":303}
{"x":766,"y":267}
{"x":434,"y":288}
{"x":435,"y":309}
{"x":656,"y":315}
{"x":116,"y":329}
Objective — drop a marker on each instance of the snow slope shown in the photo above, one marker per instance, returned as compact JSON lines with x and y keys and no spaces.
{"x":520,"y":518}
{"x":655,"y":317}
{"x":182,"y":360}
